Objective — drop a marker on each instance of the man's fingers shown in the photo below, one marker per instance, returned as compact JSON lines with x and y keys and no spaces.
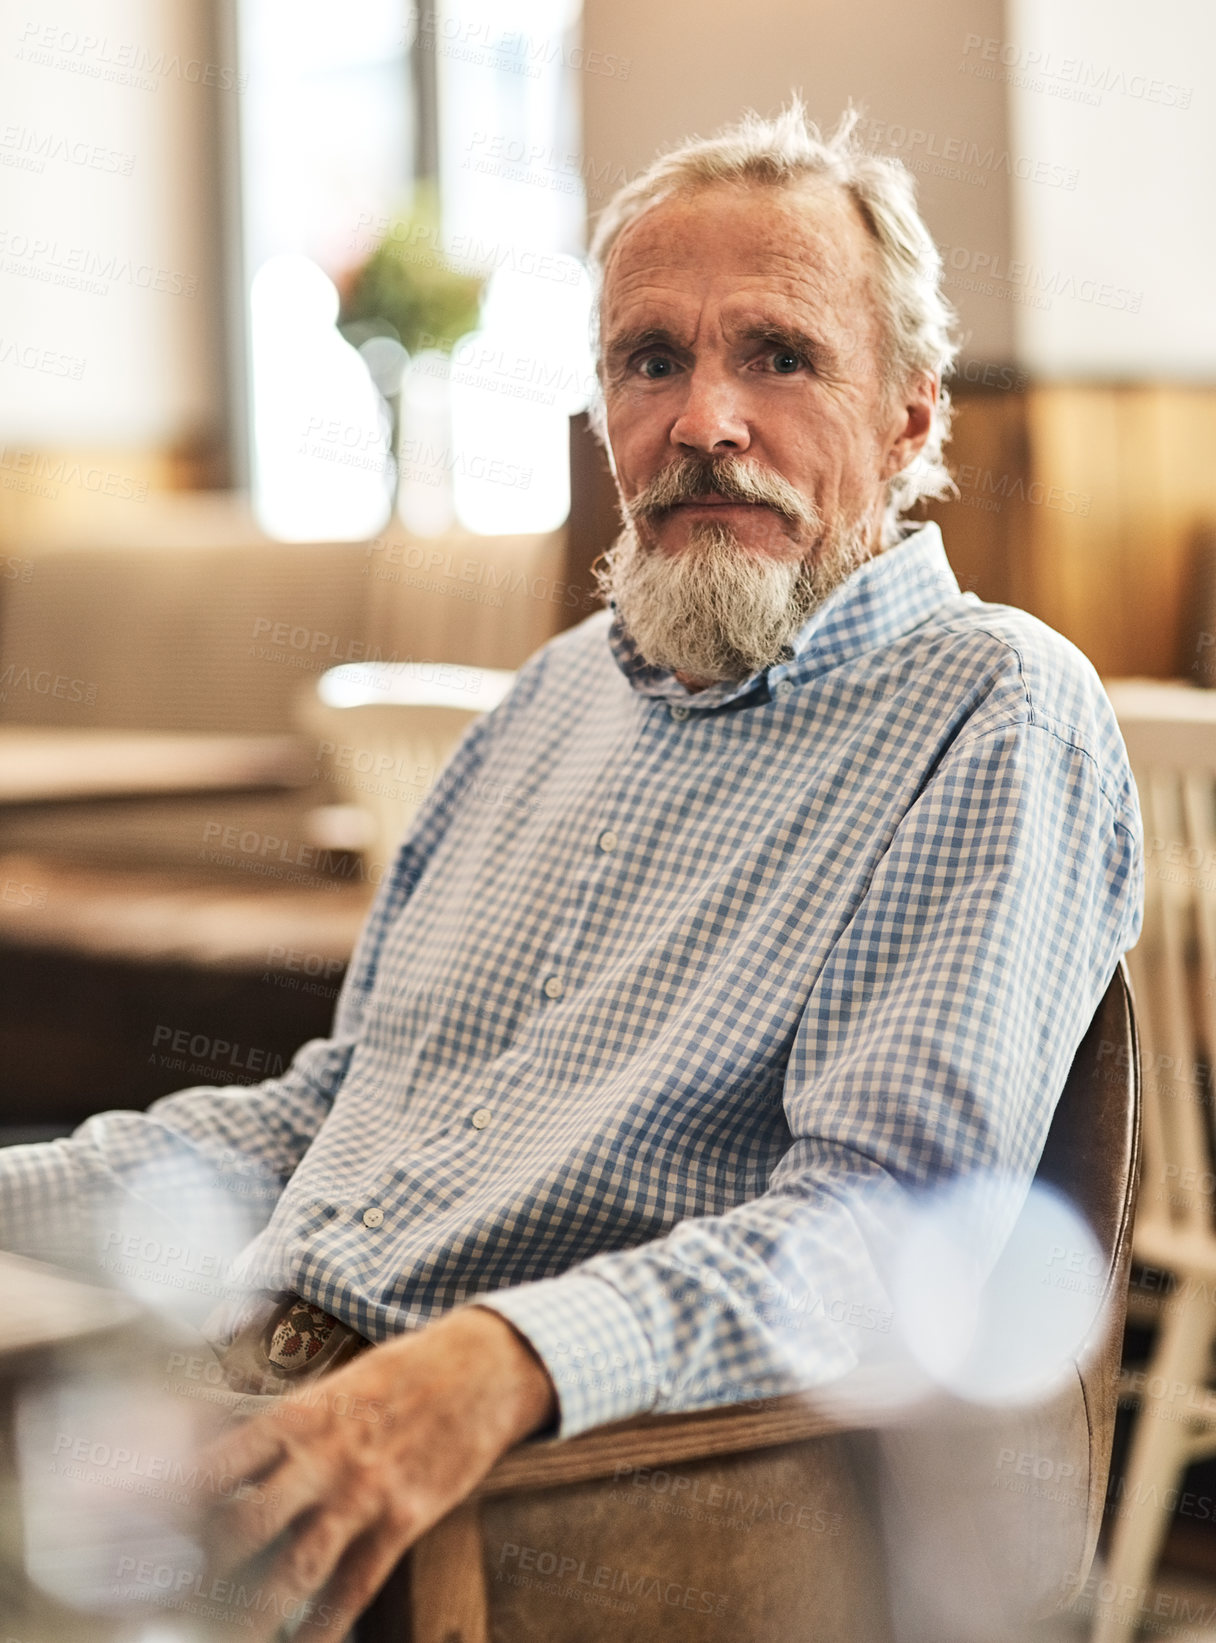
{"x":360,"y":1575}
{"x":246,"y":1519}
{"x":288,"y":1582}
{"x":249,"y":1450}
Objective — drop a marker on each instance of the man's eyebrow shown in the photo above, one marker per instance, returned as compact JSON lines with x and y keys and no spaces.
{"x":820,"y":353}
{"x":624,"y":343}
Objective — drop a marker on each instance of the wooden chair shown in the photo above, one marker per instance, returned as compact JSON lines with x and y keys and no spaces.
{"x":1170,"y":731}
{"x":772,"y":1523}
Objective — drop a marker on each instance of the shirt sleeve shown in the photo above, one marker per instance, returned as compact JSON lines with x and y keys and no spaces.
{"x":934,"y":1044}
{"x":235,"y":1145}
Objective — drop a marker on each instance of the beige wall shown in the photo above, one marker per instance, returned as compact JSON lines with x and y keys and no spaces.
{"x":108,"y":175}
{"x":687,"y":66}
{"x":1121,"y":94}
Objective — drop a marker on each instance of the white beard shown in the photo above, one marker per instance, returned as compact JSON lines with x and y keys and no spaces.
{"x":715,"y":611}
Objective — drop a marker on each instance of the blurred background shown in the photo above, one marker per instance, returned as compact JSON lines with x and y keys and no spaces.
{"x":295,"y":468}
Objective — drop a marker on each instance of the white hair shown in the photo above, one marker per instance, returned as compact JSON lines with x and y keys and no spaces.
{"x":918,"y":320}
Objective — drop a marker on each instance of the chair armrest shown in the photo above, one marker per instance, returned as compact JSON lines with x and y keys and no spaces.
{"x":660,"y":1440}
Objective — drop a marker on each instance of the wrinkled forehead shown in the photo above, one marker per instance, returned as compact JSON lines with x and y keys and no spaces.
{"x":802,"y":246}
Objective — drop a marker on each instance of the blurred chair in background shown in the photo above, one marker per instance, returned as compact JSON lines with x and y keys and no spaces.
{"x":1170,"y":731}
{"x":383,"y":731}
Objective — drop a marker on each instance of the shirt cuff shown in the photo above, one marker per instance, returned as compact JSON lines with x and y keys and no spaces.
{"x":45,"y":1206}
{"x":590,"y":1340}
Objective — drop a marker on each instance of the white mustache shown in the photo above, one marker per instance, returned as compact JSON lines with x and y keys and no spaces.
{"x":692,"y":478}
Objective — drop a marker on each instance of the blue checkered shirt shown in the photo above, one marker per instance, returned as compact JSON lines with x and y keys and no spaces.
{"x":667,"y":997}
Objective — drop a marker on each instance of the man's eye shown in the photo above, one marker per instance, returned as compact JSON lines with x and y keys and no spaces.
{"x":655,"y":365}
{"x":785,"y":361}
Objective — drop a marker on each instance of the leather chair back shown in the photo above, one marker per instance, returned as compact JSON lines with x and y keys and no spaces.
{"x":1092,"y":1155}
{"x":991,"y":1519}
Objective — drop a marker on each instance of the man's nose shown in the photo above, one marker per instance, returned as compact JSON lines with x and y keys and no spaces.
{"x":711,"y":417}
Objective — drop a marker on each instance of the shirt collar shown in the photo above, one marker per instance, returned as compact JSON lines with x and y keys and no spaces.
{"x":884,"y":598}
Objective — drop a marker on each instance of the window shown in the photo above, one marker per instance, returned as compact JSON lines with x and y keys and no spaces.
{"x":331,"y":143}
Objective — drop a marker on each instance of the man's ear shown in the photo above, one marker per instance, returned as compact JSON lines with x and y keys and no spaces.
{"x":912,"y":419}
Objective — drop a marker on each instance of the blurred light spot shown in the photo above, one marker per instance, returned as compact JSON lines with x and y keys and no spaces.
{"x":321,"y":464}
{"x":386,"y":360}
{"x":414,"y":684}
{"x":105,"y":1467}
{"x":515,"y":385}
{"x":1003,"y":1337}
{"x":424,"y":446}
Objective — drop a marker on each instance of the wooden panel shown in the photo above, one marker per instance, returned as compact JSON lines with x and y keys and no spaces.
{"x":1184,"y":439}
{"x":55,"y":492}
{"x":1072,"y":545}
{"x":1084,"y":503}
{"x":594,"y":519}
{"x":987,"y":451}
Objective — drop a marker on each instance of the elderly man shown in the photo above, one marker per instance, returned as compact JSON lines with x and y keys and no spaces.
{"x":810,"y":874}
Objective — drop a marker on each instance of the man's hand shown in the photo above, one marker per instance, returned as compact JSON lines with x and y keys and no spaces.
{"x":344,"y":1474}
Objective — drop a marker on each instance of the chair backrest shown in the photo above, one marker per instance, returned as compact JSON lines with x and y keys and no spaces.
{"x":1092,"y":1154}
{"x":991,"y":1516}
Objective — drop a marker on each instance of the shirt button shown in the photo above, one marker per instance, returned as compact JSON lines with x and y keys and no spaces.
{"x":679,"y":711}
{"x":481,"y":1118}
{"x":553,"y":986}
{"x":373,"y":1217}
{"x":784,"y":688}
{"x":608,"y":840}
